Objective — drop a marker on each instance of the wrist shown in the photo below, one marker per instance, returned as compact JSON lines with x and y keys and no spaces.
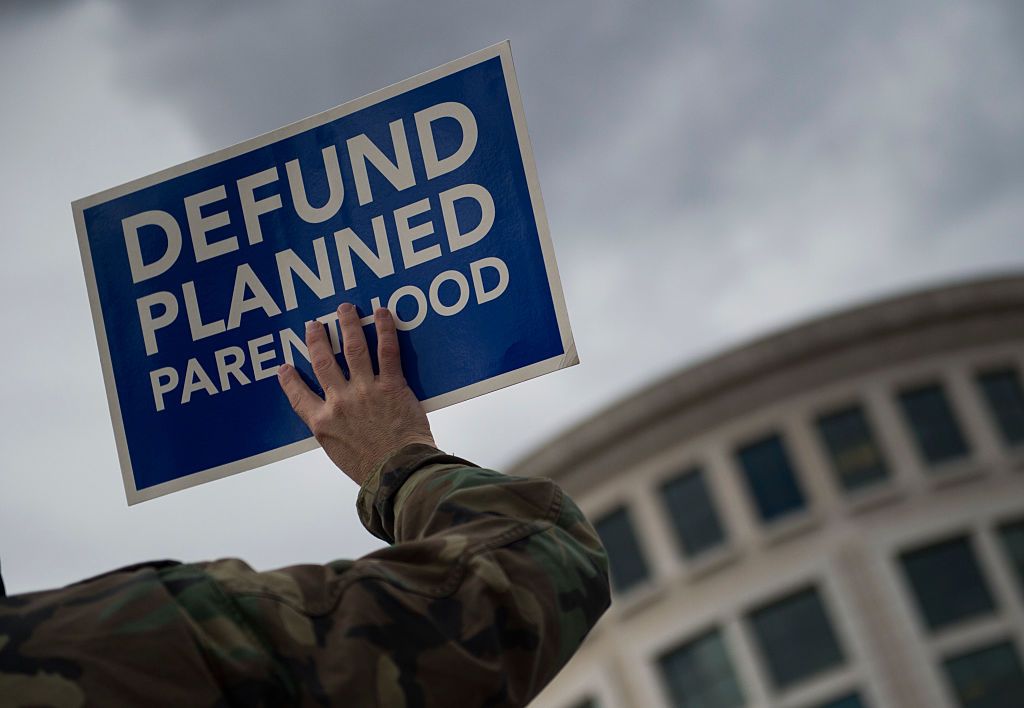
{"x":387,"y":452}
{"x":375,"y":503}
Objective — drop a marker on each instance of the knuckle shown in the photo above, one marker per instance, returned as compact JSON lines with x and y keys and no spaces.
{"x":319,"y":423}
{"x":393,"y":384}
{"x":321,"y":364}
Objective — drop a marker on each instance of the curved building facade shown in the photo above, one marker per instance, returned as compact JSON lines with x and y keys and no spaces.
{"x":829,"y":517}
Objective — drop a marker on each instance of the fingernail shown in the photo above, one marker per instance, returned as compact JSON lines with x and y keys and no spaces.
{"x":283,"y":369}
{"x":312,"y":325}
{"x":347,"y":307}
{"x":382,"y":313}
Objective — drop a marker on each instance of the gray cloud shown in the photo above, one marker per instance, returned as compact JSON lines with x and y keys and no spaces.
{"x":711,"y":171}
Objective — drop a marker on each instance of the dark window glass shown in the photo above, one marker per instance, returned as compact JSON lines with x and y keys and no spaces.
{"x":987,"y":678}
{"x":692,"y":512}
{"x":1006,"y":399}
{"x":947,"y":582}
{"x":935,"y":427}
{"x":851,"y":701}
{"x":770,"y":478}
{"x":796,"y":638}
{"x":699,"y":674}
{"x":626,"y":561}
{"x":856,"y":457}
{"x":1012,"y":536}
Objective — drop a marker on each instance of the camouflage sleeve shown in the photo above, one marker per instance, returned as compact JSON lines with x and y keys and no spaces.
{"x":489,"y":588}
{"x":490,"y":585}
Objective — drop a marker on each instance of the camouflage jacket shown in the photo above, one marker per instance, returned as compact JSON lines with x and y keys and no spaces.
{"x":489,"y":586}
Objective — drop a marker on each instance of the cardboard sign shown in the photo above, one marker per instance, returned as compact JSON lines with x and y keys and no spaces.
{"x":422,"y":197}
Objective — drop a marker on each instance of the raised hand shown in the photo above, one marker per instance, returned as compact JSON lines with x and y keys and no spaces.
{"x":364,"y":418}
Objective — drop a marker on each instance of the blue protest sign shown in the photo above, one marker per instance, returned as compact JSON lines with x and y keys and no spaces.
{"x":422,"y":197}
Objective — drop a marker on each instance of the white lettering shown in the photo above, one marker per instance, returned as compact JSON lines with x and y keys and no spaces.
{"x":196,"y":379}
{"x":406,"y":234}
{"x":290,"y":342}
{"x":476,"y":267}
{"x":421,"y":307}
{"x":163,"y":381}
{"x":227,"y":368}
{"x":199,"y":226}
{"x":258,"y":357}
{"x":456,"y":238}
{"x":399,"y":173}
{"x":435,"y":288}
{"x":424,"y":129}
{"x":151,"y":324}
{"x":195,"y":319}
{"x":290,"y":265}
{"x":318,"y":215}
{"x":380,"y":262}
{"x":252,"y":208}
{"x":172,"y":232}
{"x":245,"y":279}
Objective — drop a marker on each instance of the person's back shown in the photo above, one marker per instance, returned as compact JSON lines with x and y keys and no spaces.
{"x":489,"y":587}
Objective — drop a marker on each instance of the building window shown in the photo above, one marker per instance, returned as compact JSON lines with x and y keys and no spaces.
{"x":796,"y":638}
{"x":856,"y":457}
{"x":947,"y":582}
{"x":850,"y":701}
{"x":1005,"y":397}
{"x":987,"y":678}
{"x":626,"y":561}
{"x":771,"y":479}
{"x":692,"y":512}
{"x":935,"y":427}
{"x":699,"y":674}
{"x":1012,"y":536}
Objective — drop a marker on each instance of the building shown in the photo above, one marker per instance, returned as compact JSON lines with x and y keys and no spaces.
{"x":831,"y":516}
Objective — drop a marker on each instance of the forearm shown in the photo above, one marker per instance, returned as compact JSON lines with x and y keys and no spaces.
{"x":493,"y":584}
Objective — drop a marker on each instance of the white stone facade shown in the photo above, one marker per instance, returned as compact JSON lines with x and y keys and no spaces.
{"x":845,"y":544}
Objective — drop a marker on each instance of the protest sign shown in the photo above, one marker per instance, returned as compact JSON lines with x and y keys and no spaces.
{"x":421,"y":197}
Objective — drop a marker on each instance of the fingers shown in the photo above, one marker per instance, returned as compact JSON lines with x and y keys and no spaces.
{"x":321,"y":356}
{"x":353,"y":344}
{"x":304,"y":402}
{"x":388,"y":354}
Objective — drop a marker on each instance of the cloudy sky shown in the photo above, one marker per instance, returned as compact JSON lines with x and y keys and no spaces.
{"x":712,"y":171}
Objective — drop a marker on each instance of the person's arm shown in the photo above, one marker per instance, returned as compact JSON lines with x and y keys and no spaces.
{"x":491,"y":584}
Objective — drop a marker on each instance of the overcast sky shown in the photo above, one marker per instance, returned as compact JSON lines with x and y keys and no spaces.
{"x":712,"y":171}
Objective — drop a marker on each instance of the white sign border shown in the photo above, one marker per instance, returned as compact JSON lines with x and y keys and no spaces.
{"x":567,"y":359}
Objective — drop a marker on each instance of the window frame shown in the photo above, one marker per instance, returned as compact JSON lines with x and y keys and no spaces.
{"x":962,"y":636}
{"x":1016,"y":577}
{"x":852,"y":692}
{"x":593,"y":684}
{"x":993,"y":367}
{"x":941,"y":468}
{"x":941,"y":659}
{"x":969,"y":534}
{"x":650,"y":571}
{"x":849,"y":659}
{"x":701,"y":632}
{"x":880,"y":486}
{"x":796,"y":517}
{"x":724,"y":545}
